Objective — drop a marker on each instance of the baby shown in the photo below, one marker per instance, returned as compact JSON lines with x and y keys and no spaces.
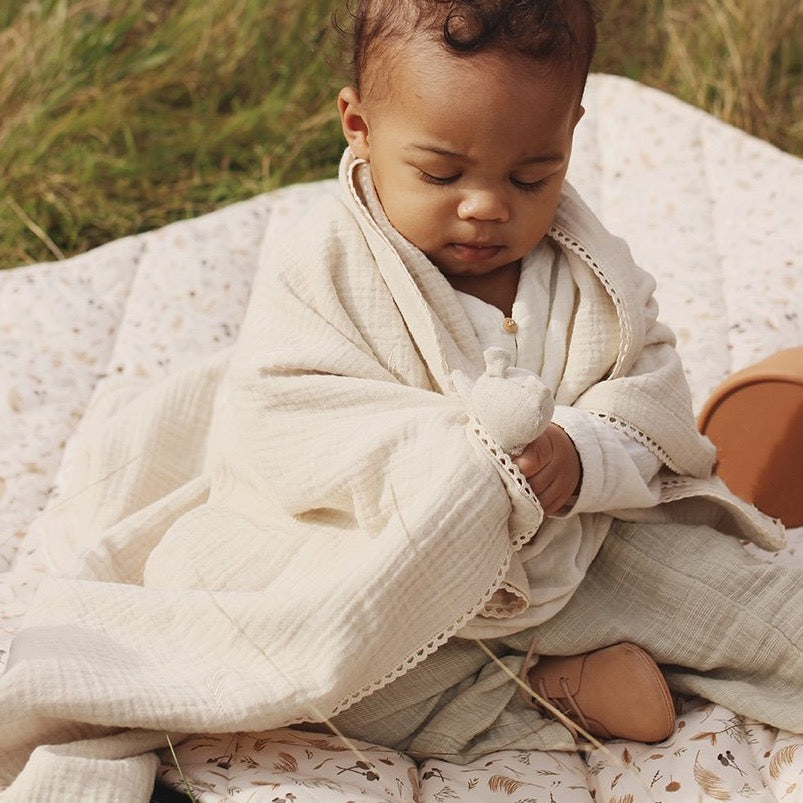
{"x":452,"y":448}
{"x":459,"y":126}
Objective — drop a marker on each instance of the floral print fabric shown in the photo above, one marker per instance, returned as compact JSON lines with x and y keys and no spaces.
{"x":713,"y":755}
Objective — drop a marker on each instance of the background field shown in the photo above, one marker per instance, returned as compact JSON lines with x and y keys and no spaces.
{"x":117,"y":116}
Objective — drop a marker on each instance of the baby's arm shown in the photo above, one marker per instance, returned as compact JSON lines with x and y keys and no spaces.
{"x":618,"y":472}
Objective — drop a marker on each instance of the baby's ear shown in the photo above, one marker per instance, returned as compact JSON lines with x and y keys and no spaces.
{"x":354,"y":122}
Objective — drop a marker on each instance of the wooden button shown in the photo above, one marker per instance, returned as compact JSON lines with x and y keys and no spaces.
{"x":510,"y":326}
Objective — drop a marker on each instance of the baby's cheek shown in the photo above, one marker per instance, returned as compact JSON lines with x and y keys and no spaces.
{"x":419,"y":223}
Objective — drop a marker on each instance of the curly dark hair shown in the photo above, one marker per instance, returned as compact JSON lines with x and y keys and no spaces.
{"x":559,"y":31}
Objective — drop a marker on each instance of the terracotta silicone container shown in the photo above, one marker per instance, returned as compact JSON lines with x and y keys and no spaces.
{"x":755,"y":419}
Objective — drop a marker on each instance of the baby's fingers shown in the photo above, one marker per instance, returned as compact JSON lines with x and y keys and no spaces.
{"x":553,"y":493}
{"x":535,"y":457}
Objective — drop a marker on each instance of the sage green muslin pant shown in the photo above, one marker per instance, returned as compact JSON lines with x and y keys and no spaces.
{"x":723,"y":625}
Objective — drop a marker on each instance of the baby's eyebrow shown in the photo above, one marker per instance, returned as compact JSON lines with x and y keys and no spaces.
{"x":545,"y":157}
{"x":439,"y":151}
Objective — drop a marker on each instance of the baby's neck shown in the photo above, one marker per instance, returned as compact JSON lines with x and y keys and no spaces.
{"x":498,"y":287}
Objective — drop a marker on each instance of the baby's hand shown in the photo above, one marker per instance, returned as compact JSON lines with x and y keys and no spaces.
{"x":552,"y":467}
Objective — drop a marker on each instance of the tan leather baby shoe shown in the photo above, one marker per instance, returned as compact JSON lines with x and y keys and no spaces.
{"x":616,"y":692}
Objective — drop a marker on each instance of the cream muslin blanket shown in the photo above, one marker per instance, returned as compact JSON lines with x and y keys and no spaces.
{"x":273,"y":533}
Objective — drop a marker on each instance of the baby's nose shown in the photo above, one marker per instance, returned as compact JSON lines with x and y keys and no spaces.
{"x":484,"y":205}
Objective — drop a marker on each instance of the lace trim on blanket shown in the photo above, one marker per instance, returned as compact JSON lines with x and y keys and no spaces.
{"x":516,"y":542}
{"x":681,"y":488}
{"x":674,"y":489}
{"x":491,"y":611}
{"x":634,"y":433}
{"x":431,"y":646}
{"x":576,"y":247}
{"x":512,"y":471}
{"x":765,"y":531}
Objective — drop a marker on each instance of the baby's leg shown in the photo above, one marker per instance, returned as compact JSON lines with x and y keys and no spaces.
{"x":723,"y":624}
{"x":458,"y":705}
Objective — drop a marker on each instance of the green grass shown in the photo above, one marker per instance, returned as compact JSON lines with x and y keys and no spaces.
{"x":741,"y":60}
{"x":122,"y":115}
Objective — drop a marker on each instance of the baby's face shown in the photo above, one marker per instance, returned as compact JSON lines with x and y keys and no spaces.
{"x":468,"y":155}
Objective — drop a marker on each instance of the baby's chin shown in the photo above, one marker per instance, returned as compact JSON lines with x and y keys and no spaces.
{"x":476,"y":265}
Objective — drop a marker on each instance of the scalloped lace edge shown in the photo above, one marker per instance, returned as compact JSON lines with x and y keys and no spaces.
{"x":576,"y":247}
{"x":512,"y":471}
{"x":637,"y":435}
{"x":430,"y":647}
